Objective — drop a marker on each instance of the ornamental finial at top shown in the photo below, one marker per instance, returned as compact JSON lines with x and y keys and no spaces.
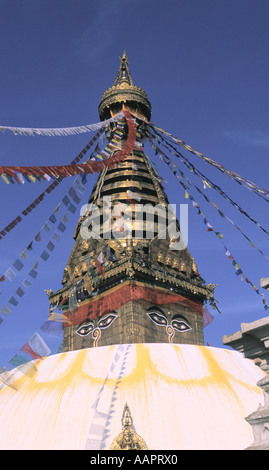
{"x":123,"y":75}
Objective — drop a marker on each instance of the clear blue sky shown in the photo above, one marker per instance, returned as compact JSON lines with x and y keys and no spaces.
{"x":204,"y":65}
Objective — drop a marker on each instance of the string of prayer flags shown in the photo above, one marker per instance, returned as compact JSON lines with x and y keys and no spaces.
{"x":10,"y":273}
{"x":50,"y":188}
{"x":238,"y":270}
{"x":65,"y":131}
{"x":191,"y":167}
{"x":89,"y":167}
{"x":258,"y":190}
{"x":221,"y":213}
{"x":36,"y":348}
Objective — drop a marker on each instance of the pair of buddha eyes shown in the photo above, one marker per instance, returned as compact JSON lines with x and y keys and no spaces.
{"x":86,"y":328}
{"x":178,"y":322}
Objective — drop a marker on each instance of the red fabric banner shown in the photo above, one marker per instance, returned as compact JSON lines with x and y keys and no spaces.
{"x":75,"y":169}
{"x":28,"y":350}
{"x":112,"y":301}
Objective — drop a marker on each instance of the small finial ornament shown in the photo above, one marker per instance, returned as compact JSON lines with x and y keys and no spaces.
{"x":128,"y":439}
{"x":123,"y":75}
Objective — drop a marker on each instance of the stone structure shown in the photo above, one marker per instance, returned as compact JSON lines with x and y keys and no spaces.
{"x":259,"y":420}
{"x":129,"y":287}
{"x":253,"y":342}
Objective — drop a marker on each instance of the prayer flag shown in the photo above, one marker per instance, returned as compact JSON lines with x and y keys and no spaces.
{"x":10,"y":274}
{"x":109,"y":253}
{"x":18,"y":360}
{"x":72,"y":193}
{"x":44,"y":255}
{"x":98,"y":263}
{"x":133,"y":195}
{"x":79,"y":186}
{"x":53,"y":328}
{"x":4,"y":178}
{"x":46,"y":227}
{"x":18,"y":265}
{"x":59,"y":317}
{"x":13,"y":301}
{"x":56,"y":236}
{"x":84,"y":178}
{"x":5,"y":310}
{"x":50,"y":246}
{"x":26,"y":283}
{"x":238,"y":271}
{"x":66,"y":200}
{"x":210,"y":228}
{"x":207,"y":317}
{"x":36,"y":264}
{"x":21,"y":178}
{"x":72,"y":208}
{"x":56,"y":210}
{"x":61,"y":227}
{"x":38,"y":346}
{"x":2,"y":278}
{"x":24,"y":254}
{"x":20,"y":292}
{"x":33,"y":274}
{"x":134,"y":168}
{"x":52,"y":218}
{"x":38,"y":237}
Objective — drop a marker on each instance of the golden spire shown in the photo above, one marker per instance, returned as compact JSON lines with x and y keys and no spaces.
{"x":123,"y":75}
{"x":128,"y":439}
{"x":124,"y":93}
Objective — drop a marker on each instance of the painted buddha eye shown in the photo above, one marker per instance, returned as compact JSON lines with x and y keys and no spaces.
{"x":84,"y":329}
{"x":157,"y":318}
{"x":181,"y":325}
{"x":105,"y":322}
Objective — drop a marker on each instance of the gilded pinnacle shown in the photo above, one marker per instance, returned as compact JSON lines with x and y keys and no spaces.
{"x":124,"y":92}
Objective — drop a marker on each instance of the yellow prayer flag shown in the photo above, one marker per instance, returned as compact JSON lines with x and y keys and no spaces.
{"x":5,"y":178}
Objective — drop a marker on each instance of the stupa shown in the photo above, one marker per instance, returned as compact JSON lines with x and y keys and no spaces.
{"x":134,"y":372}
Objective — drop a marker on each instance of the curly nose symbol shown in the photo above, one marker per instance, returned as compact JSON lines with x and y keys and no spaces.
{"x":170,"y":332}
{"x":96,"y":335}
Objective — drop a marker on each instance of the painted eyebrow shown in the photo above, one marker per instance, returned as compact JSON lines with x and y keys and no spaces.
{"x":154,"y":307}
{"x":178,"y":316}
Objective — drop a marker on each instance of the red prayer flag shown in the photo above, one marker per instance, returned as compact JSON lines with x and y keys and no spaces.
{"x":28,"y":350}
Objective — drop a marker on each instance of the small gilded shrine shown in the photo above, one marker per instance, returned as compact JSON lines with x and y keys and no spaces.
{"x":124,"y":282}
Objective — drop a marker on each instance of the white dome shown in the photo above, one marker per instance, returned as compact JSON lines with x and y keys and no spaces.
{"x":180,"y":397}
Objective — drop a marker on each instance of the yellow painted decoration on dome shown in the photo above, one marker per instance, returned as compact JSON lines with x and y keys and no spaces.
{"x":188,"y":397}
